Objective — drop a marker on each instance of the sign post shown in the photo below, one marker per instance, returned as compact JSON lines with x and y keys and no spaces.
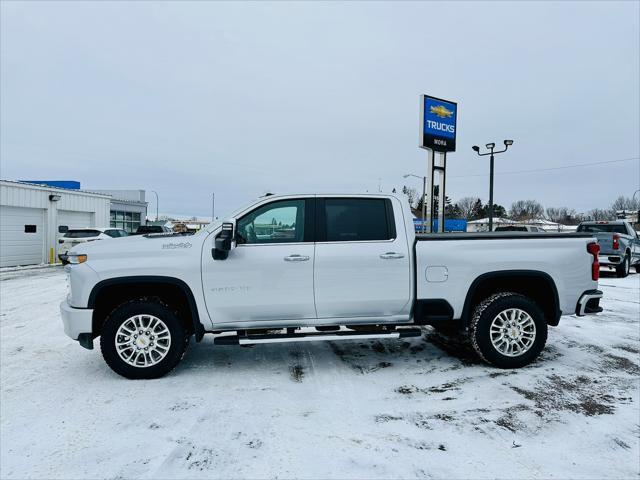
{"x":438,"y":122}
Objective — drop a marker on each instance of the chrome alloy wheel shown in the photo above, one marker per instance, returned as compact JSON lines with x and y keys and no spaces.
{"x":512,"y":332}
{"x":143,"y":341}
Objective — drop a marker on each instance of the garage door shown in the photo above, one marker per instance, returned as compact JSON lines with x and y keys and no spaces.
{"x":21,"y":236}
{"x":71,"y":219}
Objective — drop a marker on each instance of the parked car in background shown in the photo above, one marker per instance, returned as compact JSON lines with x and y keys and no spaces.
{"x":619,"y":244}
{"x":145,"y":229}
{"x":304,"y":268}
{"x":76,"y":236}
{"x":518,"y":228}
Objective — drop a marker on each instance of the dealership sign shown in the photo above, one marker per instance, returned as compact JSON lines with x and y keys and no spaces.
{"x":438,"y":124}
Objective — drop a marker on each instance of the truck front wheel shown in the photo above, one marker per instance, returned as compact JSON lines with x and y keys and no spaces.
{"x":143,"y":339}
{"x":508,"y":330}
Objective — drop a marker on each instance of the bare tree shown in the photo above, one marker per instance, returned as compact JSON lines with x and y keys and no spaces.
{"x":625,"y":203}
{"x":412,"y":195}
{"x":562,"y":215}
{"x":600,"y":214}
{"x":466,"y":206}
{"x":526,"y":210}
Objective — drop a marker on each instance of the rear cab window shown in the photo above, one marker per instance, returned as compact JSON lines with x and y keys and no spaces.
{"x":512,"y":229}
{"x":81,"y":233}
{"x":603,"y":228}
{"x":355,"y":220}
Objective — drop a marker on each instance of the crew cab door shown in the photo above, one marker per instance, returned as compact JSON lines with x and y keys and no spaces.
{"x":269,"y":275}
{"x":362,"y":264}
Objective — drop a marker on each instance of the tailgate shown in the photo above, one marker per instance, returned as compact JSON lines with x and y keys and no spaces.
{"x":605,"y":240}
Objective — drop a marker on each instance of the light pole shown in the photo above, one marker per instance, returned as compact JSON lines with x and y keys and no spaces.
{"x":213,"y":206}
{"x":424,"y":192}
{"x":156,"y":204}
{"x":490,"y":147}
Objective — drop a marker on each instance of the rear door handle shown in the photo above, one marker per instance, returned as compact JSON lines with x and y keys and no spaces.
{"x":296,"y":258}
{"x":391,"y":255}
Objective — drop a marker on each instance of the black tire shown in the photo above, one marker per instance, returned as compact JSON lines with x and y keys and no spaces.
{"x":484,"y":314}
{"x":638,"y":268}
{"x":144,"y":306}
{"x":622,"y":270}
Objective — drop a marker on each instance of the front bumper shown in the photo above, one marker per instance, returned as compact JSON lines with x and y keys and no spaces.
{"x":589,"y":303}
{"x":77,"y":323}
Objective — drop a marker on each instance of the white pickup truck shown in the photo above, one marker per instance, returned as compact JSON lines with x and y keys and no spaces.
{"x":324,"y":267}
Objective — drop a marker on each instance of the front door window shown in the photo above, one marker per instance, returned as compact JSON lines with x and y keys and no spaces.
{"x":277,"y":222}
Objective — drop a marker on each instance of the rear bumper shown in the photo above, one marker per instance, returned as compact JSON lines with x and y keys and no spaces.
{"x":589,"y":303}
{"x":77,"y":323}
{"x":613,"y":259}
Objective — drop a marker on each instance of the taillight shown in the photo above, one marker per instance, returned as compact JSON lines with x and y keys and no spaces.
{"x":616,"y":242}
{"x":594,"y":250}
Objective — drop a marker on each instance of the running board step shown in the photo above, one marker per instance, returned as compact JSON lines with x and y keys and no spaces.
{"x":314,"y":337}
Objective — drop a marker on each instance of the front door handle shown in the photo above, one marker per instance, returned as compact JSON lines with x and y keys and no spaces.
{"x":391,"y":255}
{"x":296,"y":258}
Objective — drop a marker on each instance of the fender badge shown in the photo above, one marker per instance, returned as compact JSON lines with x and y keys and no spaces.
{"x":172,"y":246}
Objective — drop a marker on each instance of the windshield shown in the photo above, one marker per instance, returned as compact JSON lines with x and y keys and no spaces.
{"x":81,"y":233}
{"x":603,"y":228}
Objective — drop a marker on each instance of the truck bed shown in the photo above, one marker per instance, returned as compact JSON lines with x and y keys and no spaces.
{"x":447,"y":265}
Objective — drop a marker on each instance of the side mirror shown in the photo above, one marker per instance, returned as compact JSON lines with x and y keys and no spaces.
{"x":223,"y":242}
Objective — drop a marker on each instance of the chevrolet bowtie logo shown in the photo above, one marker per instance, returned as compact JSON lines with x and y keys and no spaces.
{"x":441,"y":111}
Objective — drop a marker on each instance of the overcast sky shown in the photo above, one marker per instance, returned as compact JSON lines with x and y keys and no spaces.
{"x":244,"y":98}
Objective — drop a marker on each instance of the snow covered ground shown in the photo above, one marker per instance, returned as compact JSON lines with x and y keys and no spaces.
{"x":392,"y":409}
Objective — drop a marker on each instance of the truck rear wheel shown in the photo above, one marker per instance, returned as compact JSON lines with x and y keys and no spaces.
{"x":143,"y":339}
{"x":622,"y":270}
{"x":508,"y":330}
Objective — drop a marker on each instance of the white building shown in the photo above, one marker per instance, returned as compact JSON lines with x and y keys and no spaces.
{"x":482,"y":225}
{"x":128,"y":208}
{"x":32,"y":218}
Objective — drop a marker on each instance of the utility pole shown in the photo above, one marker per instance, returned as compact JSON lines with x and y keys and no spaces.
{"x":213,"y":206}
{"x":490,"y":147}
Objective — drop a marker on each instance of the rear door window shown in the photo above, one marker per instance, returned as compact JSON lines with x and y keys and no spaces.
{"x":358,"y":219}
{"x":112,"y":233}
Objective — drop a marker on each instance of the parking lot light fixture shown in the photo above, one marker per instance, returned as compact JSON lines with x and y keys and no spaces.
{"x":157,"y":209}
{"x":424,"y":192}
{"x":492,"y":152}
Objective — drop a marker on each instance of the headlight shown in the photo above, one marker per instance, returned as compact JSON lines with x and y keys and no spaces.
{"x":76,"y":258}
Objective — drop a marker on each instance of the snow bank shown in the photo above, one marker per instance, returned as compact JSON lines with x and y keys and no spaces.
{"x":392,"y":409}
